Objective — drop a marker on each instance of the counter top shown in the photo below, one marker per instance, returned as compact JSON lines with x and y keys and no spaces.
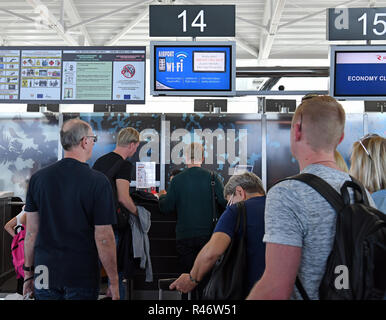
{"x":6,"y":194}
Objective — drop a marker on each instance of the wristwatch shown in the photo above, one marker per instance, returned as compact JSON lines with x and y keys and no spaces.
{"x":30,"y":269}
{"x":193,"y":280}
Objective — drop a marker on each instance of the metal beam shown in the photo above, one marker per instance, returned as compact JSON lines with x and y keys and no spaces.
{"x":119,"y":10}
{"x":253,"y":23}
{"x":308,"y":16}
{"x":73,"y":15}
{"x":267,"y":39}
{"x":53,"y":22}
{"x":242,"y":44}
{"x":128,"y":27}
{"x":17,"y":15}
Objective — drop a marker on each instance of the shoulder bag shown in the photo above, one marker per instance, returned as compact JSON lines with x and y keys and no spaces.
{"x":229,"y":274}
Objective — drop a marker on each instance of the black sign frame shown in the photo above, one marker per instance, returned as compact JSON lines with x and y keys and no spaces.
{"x":177,"y":20}
{"x":356,"y":24}
{"x":70,"y":48}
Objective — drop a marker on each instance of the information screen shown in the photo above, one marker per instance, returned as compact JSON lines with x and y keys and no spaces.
{"x":73,"y":75}
{"x":358,"y":72}
{"x":192,"y":68}
{"x":9,"y":74}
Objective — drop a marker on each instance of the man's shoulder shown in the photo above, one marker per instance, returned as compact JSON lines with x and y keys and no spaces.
{"x":43,"y":172}
{"x":104,"y":158}
{"x":332,"y":176}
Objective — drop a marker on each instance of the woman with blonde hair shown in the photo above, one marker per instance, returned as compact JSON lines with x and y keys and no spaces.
{"x":368,"y":165}
{"x":340,"y":161}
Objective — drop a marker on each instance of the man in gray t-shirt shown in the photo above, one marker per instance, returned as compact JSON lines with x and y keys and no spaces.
{"x":299,"y":222}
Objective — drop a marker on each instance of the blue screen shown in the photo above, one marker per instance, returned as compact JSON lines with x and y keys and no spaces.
{"x":189,"y":68}
{"x":360,"y":74}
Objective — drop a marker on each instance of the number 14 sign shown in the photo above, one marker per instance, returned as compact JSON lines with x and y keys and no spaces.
{"x":192,"y":21}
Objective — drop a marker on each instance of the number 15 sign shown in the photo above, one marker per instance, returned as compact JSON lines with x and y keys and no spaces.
{"x":356,"y":24}
{"x":192,"y":21}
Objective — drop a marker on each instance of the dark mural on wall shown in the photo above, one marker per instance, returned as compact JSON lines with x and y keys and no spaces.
{"x":28,"y":142}
{"x":229,"y":140}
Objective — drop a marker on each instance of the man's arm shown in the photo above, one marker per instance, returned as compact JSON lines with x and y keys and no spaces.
{"x":105,"y":242}
{"x":32,"y":230}
{"x":123,"y":190}
{"x":167,"y":200}
{"x":277,"y":282}
{"x":204,"y":262}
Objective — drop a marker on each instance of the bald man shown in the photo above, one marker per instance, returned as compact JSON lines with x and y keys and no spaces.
{"x":70,"y":213}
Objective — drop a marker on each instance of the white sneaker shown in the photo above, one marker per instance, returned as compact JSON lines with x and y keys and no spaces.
{"x":13,"y":296}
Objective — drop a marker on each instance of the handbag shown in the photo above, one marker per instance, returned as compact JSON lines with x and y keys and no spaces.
{"x":216,"y":207}
{"x":229,"y":274}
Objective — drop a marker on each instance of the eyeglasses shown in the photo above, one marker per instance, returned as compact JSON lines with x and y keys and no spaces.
{"x":230,"y":201}
{"x":95,"y":138}
{"x":367,"y":136}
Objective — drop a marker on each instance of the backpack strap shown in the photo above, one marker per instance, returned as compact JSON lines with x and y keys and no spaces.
{"x":212,"y":185}
{"x":301,"y":289}
{"x":321,"y":186}
{"x":114,"y":169}
{"x":241,"y":211}
{"x":360,"y":193}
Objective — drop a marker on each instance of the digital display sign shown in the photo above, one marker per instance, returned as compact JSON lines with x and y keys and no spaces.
{"x":193,"y":68}
{"x":358,"y":72}
{"x":73,"y":75}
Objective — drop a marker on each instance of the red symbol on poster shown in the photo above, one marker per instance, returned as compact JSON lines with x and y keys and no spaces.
{"x":51,"y":62}
{"x":128,"y":71}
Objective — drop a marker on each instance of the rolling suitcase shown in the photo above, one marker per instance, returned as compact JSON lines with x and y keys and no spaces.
{"x":163,"y":287}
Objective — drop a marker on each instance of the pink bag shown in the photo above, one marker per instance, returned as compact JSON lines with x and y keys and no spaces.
{"x":17,"y":250}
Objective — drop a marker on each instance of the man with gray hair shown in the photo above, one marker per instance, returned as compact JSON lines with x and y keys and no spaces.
{"x":70,"y":213}
{"x":245,"y":187}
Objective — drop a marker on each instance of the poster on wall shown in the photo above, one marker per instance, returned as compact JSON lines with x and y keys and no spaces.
{"x":40,"y":74}
{"x":110,"y":75}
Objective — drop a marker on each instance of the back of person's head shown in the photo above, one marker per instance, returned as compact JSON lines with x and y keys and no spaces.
{"x":250,"y":183}
{"x":322,"y":121}
{"x":340,"y":161}
{"x":194,"y":153}
{"x":174,"y":173}
{"x":72,"y":132}
{"x":127,"y":136}
{"x":370,"y":169}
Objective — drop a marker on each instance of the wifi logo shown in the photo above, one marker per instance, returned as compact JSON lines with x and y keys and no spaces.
{"x":181,"y":55}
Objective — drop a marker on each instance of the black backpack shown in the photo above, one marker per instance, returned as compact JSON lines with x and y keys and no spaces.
{"x":359,"y":248}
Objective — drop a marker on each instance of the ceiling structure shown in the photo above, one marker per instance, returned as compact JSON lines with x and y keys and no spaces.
{"x":265,"y":29}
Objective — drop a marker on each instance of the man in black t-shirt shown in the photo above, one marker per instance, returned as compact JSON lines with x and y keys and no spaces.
{"x":127,"y":144}
{"x":70,"y":213}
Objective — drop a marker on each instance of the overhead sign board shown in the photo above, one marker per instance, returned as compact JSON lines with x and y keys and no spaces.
{"x":356,"y":24}
{"x":192,"y":21}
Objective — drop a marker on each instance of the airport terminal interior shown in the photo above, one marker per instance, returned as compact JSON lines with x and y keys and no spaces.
{"x":227,"y":73}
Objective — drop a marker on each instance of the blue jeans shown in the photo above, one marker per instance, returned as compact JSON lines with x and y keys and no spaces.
{"x":65,"y":293}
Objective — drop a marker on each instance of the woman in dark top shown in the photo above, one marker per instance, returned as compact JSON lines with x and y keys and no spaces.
{"x":245,"y":187}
